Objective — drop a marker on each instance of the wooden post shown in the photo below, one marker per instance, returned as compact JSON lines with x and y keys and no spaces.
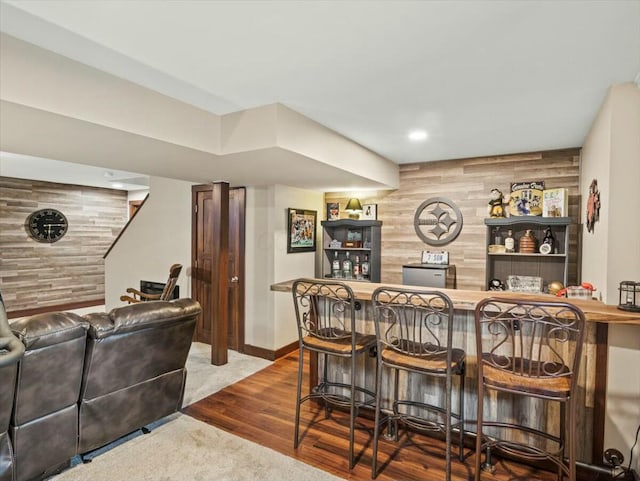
{"x":220,"y":274}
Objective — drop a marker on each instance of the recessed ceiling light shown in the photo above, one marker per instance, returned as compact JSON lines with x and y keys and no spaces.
{"x":117,"y":185}
{"x":417,"y":135}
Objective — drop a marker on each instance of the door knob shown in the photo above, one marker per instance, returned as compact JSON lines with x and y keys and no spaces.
{"x":234,"y":279}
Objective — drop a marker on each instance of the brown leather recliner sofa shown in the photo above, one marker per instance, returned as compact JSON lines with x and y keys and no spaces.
{"x":86,"y":381}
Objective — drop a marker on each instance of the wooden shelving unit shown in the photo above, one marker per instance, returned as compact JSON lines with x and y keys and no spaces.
{"x":551,"y":267}
{"x":344,"y":230}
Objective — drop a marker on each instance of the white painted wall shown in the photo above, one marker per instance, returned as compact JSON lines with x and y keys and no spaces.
{"x":611,"y":154}
{"x":39,"y":78}
{"x":129,"y":127}
{"x":594,"y":165}
{"x":269,"y":316}
{"x":301,"y":134}
{"x":259,"y":267}
{"x":159,"y":236}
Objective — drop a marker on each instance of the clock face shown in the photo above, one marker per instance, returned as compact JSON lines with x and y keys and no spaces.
{"x":546,"y":249}
{"x":47,"y":225}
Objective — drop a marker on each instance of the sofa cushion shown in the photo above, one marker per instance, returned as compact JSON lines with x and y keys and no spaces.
{"x":50,"y":373}
{"x":44,"y":330}
{"x":139,"y":316}
{"x":117,"y":361}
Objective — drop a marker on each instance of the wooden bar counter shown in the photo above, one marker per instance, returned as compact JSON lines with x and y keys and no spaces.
{"x":592,"y":376}
{"x":595,"y":311}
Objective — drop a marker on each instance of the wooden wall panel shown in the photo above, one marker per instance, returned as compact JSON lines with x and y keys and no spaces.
{"x":467,"y":182}
{"x":35,"y":275}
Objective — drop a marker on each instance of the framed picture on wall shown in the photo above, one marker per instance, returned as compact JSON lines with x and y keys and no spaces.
{"x":369,"y":212}
{"x":333,"y":210}
{"x":301,"y":230}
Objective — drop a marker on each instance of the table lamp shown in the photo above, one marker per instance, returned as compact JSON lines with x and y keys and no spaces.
{"x":354,"y":207}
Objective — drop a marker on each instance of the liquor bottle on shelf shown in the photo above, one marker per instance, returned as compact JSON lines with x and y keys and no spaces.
{"x":336,"y":272}
{"x":364,"y":268}
{"x":497,"y":236}
{"x":510,"y":242}
{"x":347,"y":267}
{"x":357,"y":271}
{"x":548,"y":243}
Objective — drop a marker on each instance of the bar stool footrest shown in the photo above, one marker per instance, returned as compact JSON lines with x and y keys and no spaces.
{"x":321,"y":392}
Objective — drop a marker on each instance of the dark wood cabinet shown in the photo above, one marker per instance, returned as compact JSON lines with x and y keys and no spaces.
{"x":557,"y":265}
{"x":360,"y":238}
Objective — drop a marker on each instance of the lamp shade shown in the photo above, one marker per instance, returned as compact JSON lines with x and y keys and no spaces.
{"x":353,"y":205}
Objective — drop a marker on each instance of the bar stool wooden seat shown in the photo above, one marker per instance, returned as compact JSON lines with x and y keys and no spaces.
{"x":325,"y":314}
{"x":414,"y":334}
{"x":532,"y":351}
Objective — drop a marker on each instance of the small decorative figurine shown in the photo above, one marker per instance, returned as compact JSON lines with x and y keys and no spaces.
{"x":496,"y":285}
{"x":554,"y":287}
{"x":496,"y":208}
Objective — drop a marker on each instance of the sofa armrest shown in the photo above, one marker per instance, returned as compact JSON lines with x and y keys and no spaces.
{"x":11,"y":349}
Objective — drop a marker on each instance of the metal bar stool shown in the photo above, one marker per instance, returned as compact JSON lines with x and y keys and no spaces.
{"x":414,"y":332}
{"x":325,"y":313}
{"x":532,"y":350}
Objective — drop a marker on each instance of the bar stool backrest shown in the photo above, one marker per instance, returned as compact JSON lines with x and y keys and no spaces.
{"x":413,"y":323}
{"x":537,"y":340}
{"x":324,"y":309}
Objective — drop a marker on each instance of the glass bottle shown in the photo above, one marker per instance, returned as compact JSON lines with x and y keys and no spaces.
{"x":549,"y":239}
{"x":364,"y":268}
{"x":335,"y":266}
{"x":357,"y":270}
{"x":347,"y":267}
{"x":510,"y":242}
{"x":497,"y":239}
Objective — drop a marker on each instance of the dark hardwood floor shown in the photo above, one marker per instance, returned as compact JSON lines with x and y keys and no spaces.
{"x":261,"y":408}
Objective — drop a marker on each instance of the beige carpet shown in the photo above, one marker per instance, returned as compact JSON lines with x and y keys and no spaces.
{"x":180,"y":448}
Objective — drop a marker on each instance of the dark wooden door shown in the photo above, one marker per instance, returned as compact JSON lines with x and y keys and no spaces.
{"x":210,"y":265}
{"x":236,"y":268}
{"x":202,"y":258}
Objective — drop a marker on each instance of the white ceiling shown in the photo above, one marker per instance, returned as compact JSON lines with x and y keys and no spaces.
{"x":481,"y":77}
{"x":37,"y":168}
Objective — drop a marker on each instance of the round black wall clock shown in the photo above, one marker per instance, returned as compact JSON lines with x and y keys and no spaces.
{"x":47,"y":225}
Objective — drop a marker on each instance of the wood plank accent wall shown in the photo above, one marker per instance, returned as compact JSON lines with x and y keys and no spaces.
{"x":35,"y":275}
{"x":467,"y":182}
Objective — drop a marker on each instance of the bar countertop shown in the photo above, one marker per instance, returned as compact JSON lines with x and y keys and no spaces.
{"x":595,"y":311}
